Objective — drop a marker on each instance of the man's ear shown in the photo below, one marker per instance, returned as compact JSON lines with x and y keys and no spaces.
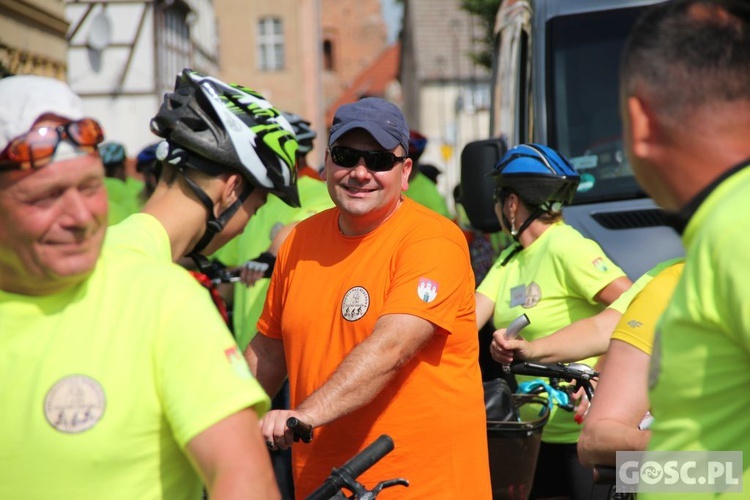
{"x":642,"y":126}
{"x":324,"y":173}
{"x":233,"y":187}
{"x":408,"y":165}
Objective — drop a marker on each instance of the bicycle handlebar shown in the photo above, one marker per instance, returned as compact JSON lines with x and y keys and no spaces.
{"x":583,"y":374}
{"x":219,"y":274}
{"x":605,"y":474}
{"x":347,"y":473}
{"x":300,"y":429}
{"x":577,"y":371}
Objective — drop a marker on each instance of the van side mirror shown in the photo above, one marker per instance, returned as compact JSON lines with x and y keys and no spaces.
{"x":478,"y":158}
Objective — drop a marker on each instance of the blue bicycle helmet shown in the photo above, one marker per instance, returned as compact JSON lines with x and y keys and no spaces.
{"x":540,"y":176}
{"x":417,"y":144}
{"x":146,"y":157}
{"x":148,"y":164}
{"x":112,"y":153}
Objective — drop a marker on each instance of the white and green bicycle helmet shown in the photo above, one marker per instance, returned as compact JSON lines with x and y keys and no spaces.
{"x":231,"y":126}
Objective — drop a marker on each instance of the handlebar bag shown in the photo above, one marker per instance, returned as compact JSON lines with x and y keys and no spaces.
{"x":498,"y":401}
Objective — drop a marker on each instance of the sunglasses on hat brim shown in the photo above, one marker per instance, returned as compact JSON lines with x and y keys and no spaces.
{"x":35,"y":148}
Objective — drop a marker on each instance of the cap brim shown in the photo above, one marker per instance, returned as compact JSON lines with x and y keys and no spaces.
{"x":383,"y":138}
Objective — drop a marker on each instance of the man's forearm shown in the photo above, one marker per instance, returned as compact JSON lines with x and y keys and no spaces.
{"x":364,"y":373}
{"x":265,"y":357}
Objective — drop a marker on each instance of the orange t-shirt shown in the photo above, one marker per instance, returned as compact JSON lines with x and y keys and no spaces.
{"x":325,"y":296}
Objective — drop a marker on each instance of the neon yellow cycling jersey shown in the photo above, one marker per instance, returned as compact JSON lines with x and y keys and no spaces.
{"x":699,"y":370}
{"x":425,"y":192}
{"x":143,"y":234}
{"x":105,"y":384}
{"x":554,"y":281}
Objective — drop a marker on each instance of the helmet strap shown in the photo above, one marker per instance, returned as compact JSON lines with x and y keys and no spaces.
{"x":214,"y":224}
{"x":534,"y":215}
{"x":511,"y":254}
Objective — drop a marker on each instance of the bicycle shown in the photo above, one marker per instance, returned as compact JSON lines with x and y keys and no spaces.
{"x":607,"y":474}
{"x":346,"y":475}
{"x":513,"y":443}
{"x":218,"y":273}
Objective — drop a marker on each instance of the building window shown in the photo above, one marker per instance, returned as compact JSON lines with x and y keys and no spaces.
{"x":328,"y":55}
{"x":270,"y":44}
{"x":173,"y":47}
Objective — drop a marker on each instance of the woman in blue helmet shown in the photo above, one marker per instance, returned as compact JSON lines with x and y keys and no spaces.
{"x":555,"y":276}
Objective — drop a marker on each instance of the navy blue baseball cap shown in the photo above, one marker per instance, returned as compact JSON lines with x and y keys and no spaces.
{"x":378,"y":117}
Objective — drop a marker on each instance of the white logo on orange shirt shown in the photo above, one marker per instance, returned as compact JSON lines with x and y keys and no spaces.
{"x":427,"y":290}
{"x":355,"y":304}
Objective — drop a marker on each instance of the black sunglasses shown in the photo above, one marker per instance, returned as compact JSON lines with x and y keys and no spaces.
{"x":377,"y":161}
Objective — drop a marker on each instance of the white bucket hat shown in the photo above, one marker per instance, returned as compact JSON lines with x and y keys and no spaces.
{"x":24,"y":98}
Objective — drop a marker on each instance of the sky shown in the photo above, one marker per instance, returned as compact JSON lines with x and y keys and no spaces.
{"x":392,"y":13}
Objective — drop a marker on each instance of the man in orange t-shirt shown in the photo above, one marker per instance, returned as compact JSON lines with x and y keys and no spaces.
{"x":370,"y":313}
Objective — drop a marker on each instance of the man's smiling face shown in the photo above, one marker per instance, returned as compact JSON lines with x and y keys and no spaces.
{"x":365,"y":198}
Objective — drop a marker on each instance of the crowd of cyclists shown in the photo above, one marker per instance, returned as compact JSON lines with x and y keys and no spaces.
{"x":356,"y":308}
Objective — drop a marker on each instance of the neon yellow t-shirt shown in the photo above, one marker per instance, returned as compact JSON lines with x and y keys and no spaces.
{"x":105,"y":384}
{"x":554,"y":281}
{"x":115,"y":192}
{"x":255,"y":239}
{"x":638,"y":323}
{"x":425,"y":192}
{"x":143,"y":234}
{"x":122,"y":197}
{"x":700,"y":369}
{"x":135,"y":188}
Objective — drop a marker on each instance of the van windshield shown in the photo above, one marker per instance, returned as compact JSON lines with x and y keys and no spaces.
{"x":583,"y":81}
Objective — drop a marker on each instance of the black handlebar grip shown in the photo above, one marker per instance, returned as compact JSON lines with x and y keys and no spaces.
{"x":300,"y":429}
{"x":327,"y":490}
{"x":353,"y":468}
{"x":369,"y":456}
{"x":605,"y":474}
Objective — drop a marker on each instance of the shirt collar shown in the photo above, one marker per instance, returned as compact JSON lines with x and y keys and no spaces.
{"x":680,"y":219}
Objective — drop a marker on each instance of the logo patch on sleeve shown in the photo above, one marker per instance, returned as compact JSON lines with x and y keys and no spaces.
{"x":237,"y":362}
{"x":427,"y":290}
{"x":355,"y":303}
{"x":600,"y":264}
{"x":74,"y":404}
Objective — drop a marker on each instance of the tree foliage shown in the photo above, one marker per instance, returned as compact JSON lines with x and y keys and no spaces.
{"x":485,"y":10}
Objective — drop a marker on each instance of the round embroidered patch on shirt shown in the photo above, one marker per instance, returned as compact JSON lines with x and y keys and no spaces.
{"x":427,"y":290}
{"x":355,"y":304}
{"x":533,"y":295}
{"x":74,"y":404}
